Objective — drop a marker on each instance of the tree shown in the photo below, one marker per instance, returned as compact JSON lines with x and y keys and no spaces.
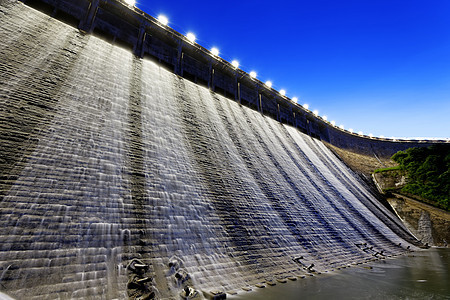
{"x":428,"y":171}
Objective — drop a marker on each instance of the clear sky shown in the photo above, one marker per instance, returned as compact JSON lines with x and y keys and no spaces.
{"x":376,"y":66}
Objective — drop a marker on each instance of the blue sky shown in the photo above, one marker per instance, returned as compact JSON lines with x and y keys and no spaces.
{"x":379,"y":66}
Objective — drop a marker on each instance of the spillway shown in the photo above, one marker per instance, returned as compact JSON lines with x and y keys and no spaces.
{"x":108,"y":158}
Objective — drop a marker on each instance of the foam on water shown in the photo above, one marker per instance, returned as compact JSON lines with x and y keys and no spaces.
{"x":127,"y":160}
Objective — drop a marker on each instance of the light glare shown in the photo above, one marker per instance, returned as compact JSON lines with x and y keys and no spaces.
{"x":350,"y":129}
{"x":163,"y":20}
{"x":282,"y":92}
{"x":268,"y":83}
{"x":316,"y":112}
{"x":215,"y":51}
{"x":295,"y":99}
{"x":130,"y":2}
{"x":306,"y":106}
{"x":360,"y":132}
{"x":235,"y":64}
{"x":341,"y":127}
{"x":191,"y":37}
{"x":333,"y":123}
{"x":325,"y":118}
{"x":252,"y":74}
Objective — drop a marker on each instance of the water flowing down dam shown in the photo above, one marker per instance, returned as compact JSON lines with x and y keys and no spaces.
{"x":110,"y":160}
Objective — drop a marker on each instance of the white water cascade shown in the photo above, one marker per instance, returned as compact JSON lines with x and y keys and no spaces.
{"x":110,"y":158}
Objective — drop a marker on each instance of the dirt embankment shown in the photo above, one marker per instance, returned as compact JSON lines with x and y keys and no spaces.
{"x":429,"y":224}
{"x":360,"y":163}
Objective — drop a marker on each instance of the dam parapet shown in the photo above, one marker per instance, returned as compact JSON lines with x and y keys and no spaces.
{"x":130,"y":27}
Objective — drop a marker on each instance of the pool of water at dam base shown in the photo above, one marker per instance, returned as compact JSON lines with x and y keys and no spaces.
{"x":419,"y":275}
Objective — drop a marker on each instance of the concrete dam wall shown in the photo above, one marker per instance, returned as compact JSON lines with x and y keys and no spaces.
{"x":122,"y":179}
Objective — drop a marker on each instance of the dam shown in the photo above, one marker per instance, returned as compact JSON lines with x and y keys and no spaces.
{"x":121,"y":178}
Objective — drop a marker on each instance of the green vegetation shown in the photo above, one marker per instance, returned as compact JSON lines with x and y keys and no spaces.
{"x":387,"y":169}
{"x":428,"y":171}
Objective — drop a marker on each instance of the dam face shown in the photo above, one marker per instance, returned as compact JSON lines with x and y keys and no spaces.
{"x":107,"y":158}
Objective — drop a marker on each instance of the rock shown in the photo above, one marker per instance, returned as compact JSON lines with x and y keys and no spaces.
{"x":182,"y":276}
{"x":189,"y":293}
{"x":215,"y":295}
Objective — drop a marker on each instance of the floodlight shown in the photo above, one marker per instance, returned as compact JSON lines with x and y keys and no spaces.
{"x":306,"y":106}
{"x":215,"y":51}
{"x":341,"y":127}
{"x":333,"y":123}
{"x":191,"y":37}
{"x":130,"y":2}
{"x":351,"y":130}
{"x":295,"y":99}
{"x":163,"y":20}
{"x":252,"y":74}
{"x":282,"y":92}
{"x":235,"y":64}
{"x":316,"y":112}
{"x":370,"y":135}
{"x":325,"y":118}
{"x":360,"y":132}
{"x":268,"y":83}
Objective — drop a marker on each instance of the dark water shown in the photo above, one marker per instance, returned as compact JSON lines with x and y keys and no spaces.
{"x":420,"y":275}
